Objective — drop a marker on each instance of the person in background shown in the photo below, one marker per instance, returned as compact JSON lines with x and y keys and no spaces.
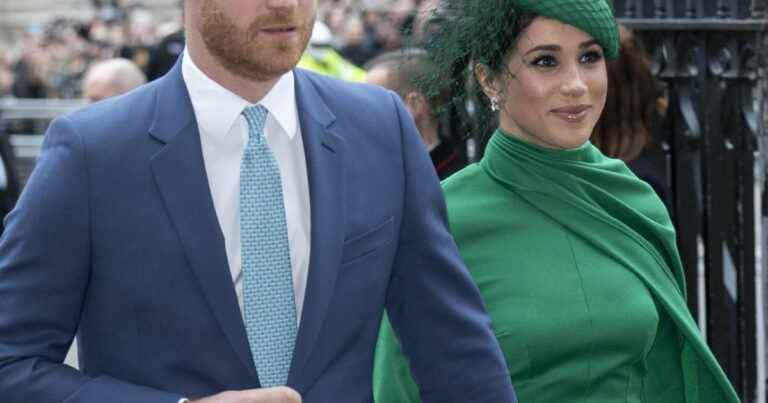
{"x":164,"y":55}
{"x":633,"y":107}
{"x":321,"y":57}
{"x":29,"y":75}
{"x":9,"y":182}
{"x":575,"y":257}
{"x":140,"y":36}
{"x":110,"y":78}
{"x":398,"y":71}
{"x":426,"y":21}
{"x":6,"y":75}
{"x":235,"y":228}
{"x":353,"y":41}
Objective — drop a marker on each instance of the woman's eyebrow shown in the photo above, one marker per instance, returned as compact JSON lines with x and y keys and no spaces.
{"x":589,"y":43}
{"x":551,"y":48}
{"x":557,"y":48}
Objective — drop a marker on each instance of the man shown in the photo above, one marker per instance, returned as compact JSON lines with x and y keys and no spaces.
{"x":237,"y":224}
{"x":111,"y":77}
{"x":398,"y":71}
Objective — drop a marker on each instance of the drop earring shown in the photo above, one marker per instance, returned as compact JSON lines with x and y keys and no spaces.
{"x":495,"y":104}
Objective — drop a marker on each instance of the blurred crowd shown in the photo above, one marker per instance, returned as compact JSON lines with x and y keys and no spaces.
{"x":363,"y":29}
{"x":51,"y":61}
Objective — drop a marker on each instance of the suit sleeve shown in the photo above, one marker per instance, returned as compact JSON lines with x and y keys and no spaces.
{"x":432,"y":303}
{"x":45,"y":255}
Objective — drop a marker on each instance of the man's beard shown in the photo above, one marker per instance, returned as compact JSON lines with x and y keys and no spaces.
{"x":241,"y":52}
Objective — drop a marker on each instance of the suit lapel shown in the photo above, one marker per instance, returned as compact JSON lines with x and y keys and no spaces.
{"x":325,"y":157}
{"x":180,"y":175}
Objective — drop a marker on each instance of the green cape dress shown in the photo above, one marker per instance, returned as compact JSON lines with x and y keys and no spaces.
{"x":577,"y":263}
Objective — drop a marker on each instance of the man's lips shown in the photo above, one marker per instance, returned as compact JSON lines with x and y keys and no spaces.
{"x":279,"y":30}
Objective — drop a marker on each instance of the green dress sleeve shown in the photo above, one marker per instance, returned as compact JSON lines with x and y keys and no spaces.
{"x":392,"y":381}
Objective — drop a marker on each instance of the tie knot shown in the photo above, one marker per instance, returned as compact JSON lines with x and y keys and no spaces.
{"x":256,"y":115}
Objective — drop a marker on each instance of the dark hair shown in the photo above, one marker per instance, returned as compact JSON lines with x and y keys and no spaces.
{"x":402,"y":66}
{"x":625,"y":127}
{"x":404,"y":69}
{"x":470,"y":32}
{"x":496,"y":57}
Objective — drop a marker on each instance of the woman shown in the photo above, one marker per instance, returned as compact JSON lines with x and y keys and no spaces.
{"x":574,"y":256}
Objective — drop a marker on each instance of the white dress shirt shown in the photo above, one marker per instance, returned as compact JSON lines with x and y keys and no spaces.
{"x":223,"y":136}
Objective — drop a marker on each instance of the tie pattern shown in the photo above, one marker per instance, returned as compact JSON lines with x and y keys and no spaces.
{"x":269,"y":306}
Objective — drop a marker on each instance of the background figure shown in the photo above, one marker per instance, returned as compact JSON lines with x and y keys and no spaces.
{"x":633,"y":107}
{"x":9,"y":184}
{"x":164,"y":55}
{"x":427,"y":21}
{"x":6,"y":75}
{"x":111,"y":78}
{"x":29,"y":76}
{"x":398,"y":71}
{"x":321,"y":57}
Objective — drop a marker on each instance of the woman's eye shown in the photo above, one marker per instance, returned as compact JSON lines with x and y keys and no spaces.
{"x":591,"y":57}
{"x":545,"y":61}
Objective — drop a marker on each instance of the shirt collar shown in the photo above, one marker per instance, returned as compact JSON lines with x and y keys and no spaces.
{"x":217,"y":108}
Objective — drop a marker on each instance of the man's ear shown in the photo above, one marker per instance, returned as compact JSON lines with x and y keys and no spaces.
{"x":417,"y":104}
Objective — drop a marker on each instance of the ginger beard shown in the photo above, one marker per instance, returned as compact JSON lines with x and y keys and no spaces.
{"x":251,"y":53}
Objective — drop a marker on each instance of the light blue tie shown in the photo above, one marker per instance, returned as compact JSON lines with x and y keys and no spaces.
{"x":269,"y":307}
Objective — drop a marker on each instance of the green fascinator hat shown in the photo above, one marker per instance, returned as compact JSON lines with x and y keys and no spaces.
{"x":594,"y":17}
{"x":483,"y":31}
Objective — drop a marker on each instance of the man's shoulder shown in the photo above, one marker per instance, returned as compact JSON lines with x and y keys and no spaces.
{"x":346,"y":95}
{"x":134,"y":108}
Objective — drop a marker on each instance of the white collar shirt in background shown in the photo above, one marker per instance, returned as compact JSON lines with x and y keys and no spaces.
{"x":223,"y":136}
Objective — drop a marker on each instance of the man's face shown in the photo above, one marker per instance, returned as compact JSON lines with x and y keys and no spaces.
{"x":256,"y":39}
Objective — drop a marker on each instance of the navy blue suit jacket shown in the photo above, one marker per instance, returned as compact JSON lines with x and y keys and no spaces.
{"x":115,"y":238}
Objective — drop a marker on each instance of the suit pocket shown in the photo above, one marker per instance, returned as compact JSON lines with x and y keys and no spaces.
{"x":367,"y":242}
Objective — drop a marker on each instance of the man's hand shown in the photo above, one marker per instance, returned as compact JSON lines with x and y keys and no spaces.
{"x":268,"y":395}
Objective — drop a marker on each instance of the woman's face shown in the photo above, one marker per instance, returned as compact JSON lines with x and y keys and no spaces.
{"x":554,"y":87}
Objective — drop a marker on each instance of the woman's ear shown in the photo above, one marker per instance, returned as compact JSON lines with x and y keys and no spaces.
{"x":487,"y":80}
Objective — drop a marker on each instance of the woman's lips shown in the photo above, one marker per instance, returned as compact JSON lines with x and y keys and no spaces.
{"x":572,"y":114}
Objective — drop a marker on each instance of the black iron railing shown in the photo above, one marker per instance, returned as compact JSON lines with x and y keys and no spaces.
{"x":712,"y":56}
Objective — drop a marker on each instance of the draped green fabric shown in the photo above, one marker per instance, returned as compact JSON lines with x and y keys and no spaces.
{"x":577,"y":263}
